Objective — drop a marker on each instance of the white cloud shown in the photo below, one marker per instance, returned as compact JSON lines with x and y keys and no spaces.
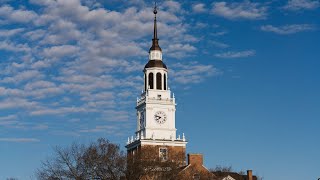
{"x":9,"y":117}
{"x":17,"y":103}
{"x":23,"y":76}
{"x":80,"y":59}
{"x":288,"y":29}
{"x":184,"y":50}
{"x":60,"y":51}
{"x":109,"y":129}
{"x":295,"y":5}
{"x":218,"y":44}
{"x":244,"y":10}
{"x":219,"y":33}
{"x":23,"y":140}
{"x":192,"y":72}
{"x":8,"y":120}
{"x":60,"y":111}
{"x":8,"y":92}
{"x":21,"y":16}
{"x":233,"y":54}
{"x":199,"y":8}
{"x":172,"y":6}
{"x":40,"y":127}
{"x":200,"y":25}
{"x":35,"y":34}
{"x":10,"y":32}
{"x":40,"y":64}
{"x":10,"y":46}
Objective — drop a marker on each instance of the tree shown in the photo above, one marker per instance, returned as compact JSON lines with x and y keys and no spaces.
{"x":99,"y":160}
{"x":103,"y":160}
{"x":146,"y":164}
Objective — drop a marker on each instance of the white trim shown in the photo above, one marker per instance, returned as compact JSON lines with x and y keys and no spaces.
{"x":156,"y":142}
{"x":228,"y":178}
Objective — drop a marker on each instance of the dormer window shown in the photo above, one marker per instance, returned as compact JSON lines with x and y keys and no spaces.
{"x":196,"y":176}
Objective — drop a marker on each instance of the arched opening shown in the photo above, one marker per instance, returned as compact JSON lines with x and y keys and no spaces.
{"x":164,"y":82}
{"x":159,"y":81}
{"x":151,"y":80}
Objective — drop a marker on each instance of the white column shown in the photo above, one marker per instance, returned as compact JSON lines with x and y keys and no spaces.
{"x":145,"y":78}
{"x":155,"y":80}
{"x":166,"y":80}
{"x":162,"y":81}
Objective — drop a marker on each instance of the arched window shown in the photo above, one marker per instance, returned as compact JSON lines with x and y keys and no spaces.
{"x":159,"y":81}
{"x":145,"y":82}
{"x":151,"y":80}
{"x":164,"y":82}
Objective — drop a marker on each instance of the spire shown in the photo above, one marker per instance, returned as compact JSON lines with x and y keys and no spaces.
{"x":155,"y":34}
{"x":155,"y":45}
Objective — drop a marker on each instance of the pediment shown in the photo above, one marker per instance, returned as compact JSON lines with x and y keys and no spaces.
{"x":228,"y":178}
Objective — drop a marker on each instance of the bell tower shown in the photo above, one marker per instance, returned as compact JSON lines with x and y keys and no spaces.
{"x":156,"y":109}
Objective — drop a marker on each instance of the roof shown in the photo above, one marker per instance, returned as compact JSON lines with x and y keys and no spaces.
{"x":237,"y":176}
{"x":155,"y":45}
{"x":155,"y":63}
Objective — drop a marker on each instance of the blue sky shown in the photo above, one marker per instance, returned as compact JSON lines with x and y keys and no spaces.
{"x":244,"y":73}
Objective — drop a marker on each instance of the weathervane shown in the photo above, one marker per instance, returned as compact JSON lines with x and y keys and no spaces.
{"x":155,"y":8}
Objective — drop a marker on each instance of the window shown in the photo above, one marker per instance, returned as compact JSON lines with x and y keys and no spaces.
{"x":159,"y":82}
{"x":164,"y":82}
{"x":151,"y":80}
{"x":163,"y":154}
{"x":196,"y":176}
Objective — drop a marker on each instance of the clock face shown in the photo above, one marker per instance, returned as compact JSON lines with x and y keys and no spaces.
{"x":141,"y":120}
{"x":160,"y":117}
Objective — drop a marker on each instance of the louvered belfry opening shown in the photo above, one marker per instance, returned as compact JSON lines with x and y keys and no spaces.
{"x":159,"y":81}
{"x":151,"y":80}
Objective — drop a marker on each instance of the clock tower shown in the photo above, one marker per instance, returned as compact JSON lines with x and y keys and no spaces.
{"x":156,"y":109}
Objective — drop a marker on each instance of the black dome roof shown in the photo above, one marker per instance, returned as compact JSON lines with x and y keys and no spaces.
{"x":155,"y":63}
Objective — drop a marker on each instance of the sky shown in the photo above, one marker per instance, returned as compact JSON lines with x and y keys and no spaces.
{"x":244,"y":73}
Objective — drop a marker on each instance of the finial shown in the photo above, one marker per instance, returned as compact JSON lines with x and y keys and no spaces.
{"x":155,"y":34}
{"x":155,"y":8}
{"x":155,"y":45}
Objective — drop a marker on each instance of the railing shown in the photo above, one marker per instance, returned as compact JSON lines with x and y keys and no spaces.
{"x":138,"y":137}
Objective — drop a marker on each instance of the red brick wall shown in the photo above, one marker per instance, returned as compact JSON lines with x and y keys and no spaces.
{"x":195,"y":159}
